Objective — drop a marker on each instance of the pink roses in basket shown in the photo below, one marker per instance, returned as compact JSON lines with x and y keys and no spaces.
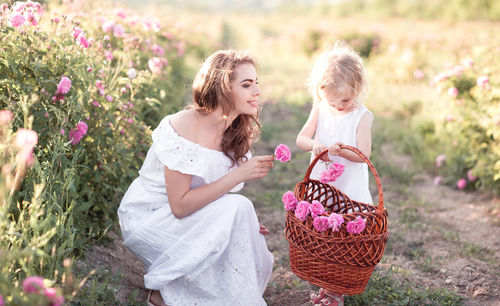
{"x":316,"y":210}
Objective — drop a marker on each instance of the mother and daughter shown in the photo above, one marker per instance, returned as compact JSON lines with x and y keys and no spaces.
{"x":202,"y":244}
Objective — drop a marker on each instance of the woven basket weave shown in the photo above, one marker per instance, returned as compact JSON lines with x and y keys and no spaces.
{"x":337,"y":261}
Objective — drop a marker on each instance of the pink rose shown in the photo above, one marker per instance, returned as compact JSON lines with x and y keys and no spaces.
{"x":158,"y":50}
{"x":33,"y":284}
{"x":438,"y":180}
{"x":470,"y":176}
{"x":108,"y":55}
{"x":118,"y":31}
{"x":17,"y":20}
{"x":5,"y":117}
{"x":51,"y":295}
{"x":302,"y":210}
{"x":26,"y":139}
{"x":316,"y":209}
{"x":335,"y":221}
{"x":76,"y":32}
{"x":108,"y":26}
{"x":82,"y":41}
{"x":356,"y":226}
{"x":461,"y":183}
{"x":75,"y":137}
{"x":156,"y":64}
{"x":282,"y":153}
{"x":64,"y":85}
{"x":82,"y":127}
{"x":332,"y":173}
{"x":482,"y":81}
{"x":289,"y":200}
{"x":453,"y":92}
{"x":2,"y":303}
{"x":321,"y":223}
{"x":418,"y":74}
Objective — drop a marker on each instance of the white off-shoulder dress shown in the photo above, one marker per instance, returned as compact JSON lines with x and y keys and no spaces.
{"x":215,"y":256}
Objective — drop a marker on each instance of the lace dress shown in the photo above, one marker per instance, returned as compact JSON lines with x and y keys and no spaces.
{"x":331,"y":129}
{"x":215,"y":256}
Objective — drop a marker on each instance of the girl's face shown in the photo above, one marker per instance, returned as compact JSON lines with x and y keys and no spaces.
{"x":244,"y":90}
{"x":341,"y":101}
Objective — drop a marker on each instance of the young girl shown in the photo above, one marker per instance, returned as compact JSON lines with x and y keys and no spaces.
{"x":337,"y":83}
{"x":201,"y":245}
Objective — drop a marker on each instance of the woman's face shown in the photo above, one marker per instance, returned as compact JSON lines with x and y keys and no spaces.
{"x":244,"y":90}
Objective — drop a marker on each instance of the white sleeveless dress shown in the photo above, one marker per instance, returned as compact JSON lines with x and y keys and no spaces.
{"x":215,"y":256}
{"x":331,"y":129}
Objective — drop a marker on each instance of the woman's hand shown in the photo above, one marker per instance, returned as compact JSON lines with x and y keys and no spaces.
{"x":255,"y":168}
{"x":335,"y":149}
{"x":318,"y":147}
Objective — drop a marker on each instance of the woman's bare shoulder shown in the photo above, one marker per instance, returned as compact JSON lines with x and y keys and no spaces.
{"x":184,"y":123}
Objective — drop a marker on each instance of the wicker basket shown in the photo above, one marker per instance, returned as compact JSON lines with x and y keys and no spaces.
{"x":337,"y":261}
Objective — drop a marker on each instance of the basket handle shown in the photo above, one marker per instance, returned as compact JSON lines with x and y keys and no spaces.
{"x":365,"y":159}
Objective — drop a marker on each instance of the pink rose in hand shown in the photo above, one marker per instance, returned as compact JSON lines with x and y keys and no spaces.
{"x":282,"y":153}
{"x":289,"y":200}
{"x":356,"y":226}
{"x":302,"y":210}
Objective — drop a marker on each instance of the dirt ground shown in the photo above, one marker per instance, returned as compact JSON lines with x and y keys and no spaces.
{"x":439,"y":237}
{"x":467,"y":263}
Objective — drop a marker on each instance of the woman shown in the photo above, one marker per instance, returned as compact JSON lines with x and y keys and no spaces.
{"x":200,"y":244}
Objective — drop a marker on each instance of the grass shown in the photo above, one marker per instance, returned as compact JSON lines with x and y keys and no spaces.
{"x":386,"y":289}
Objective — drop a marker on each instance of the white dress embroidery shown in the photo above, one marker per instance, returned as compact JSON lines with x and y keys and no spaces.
{"x":215,"y":256}
{"x":331,"y":129}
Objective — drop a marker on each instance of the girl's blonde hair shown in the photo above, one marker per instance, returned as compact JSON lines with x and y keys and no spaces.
{"x":339,"y":71}
{"x":212,"y":88}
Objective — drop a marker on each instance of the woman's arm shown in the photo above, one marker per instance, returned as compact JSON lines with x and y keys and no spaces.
{"x":363,"y":141}
{"x":185,"y":201}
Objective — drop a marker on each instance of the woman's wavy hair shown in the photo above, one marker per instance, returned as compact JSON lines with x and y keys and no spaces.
{"x":339,"y":71}
{"x":212,"y":88}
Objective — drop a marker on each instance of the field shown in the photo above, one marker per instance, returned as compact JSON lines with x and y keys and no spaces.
{"x":443,"y":246}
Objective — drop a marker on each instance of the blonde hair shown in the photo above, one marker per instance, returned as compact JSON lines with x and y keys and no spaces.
{"x":212,"y":88}
{"x":339,"y":71}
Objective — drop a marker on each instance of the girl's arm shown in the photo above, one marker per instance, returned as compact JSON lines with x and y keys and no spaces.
{"x":304,"y":139}
{"x":363,"y":141}
{"x":185,"y":201}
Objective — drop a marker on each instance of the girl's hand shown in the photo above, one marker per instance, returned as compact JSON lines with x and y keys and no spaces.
{"x":263,"y":230}
{"x":255,"y":168}
{"x":335,"y":149}
{"x":318,"y":147}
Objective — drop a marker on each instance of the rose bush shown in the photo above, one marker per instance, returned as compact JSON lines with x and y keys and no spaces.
{"x":89,"y":82}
